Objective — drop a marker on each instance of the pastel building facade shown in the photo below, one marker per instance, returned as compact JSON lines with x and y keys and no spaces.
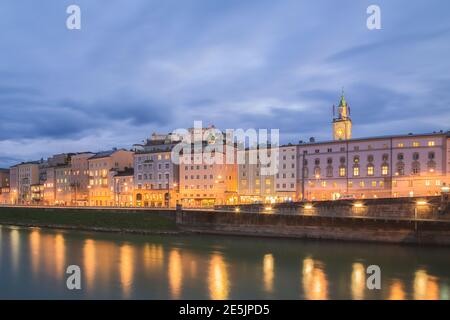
{"x":254,"y":184}
{"x":101,"y":192}
{"x":204,"y":184}
{"x":27,"y":175}
{"x":156,"y":178}
{"x":123,"y":187}
{"x":4,"y":186}
{"x":395,"y":166}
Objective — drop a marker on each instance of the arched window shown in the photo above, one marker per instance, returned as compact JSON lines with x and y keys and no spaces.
{"x":384,"y":169}
{"x":400,"y":169}
{"x":370,"y":170}
{"x":416,"y":167}
{"x":329,"y":171}
{"x":342,"y":171}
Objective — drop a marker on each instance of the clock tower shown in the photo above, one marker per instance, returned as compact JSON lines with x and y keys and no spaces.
{"x":342,"y":124}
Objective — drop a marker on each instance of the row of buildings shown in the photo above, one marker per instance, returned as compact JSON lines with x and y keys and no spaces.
{"x":146,"y":176}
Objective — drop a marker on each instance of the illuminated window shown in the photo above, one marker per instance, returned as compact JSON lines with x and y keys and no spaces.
{"x":361,"y":184}
{"x":381,"y":184}
{"x":350,"y":184}
{"x":370,"y":170}
{"x":324,"y":184}
{"x":342,"y":171}
{"x":374,"y":183}
{"x":384,"y":170}
{"x":267,"y":182}
{"x":431,"y":143}
{"x":427,"y":182}
{"x":438,"y":182}
{"x":416,"y":144}
{"x":356,"y":171}
{"x":400,"y":145}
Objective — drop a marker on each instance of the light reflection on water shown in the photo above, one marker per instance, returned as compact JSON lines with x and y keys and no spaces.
{"x":33,"y":264}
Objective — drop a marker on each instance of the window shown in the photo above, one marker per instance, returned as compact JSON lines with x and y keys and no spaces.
{"x":431,"y":143}
{"x":342,"y":160}
{"x":431,"y":155}
{"x":401,"y":145}
{"x":361,"y":184}
{"x":330,"y":150}
{"x":370,"y":158}
{"x":400,"y":156}
{"x":400,"y":169}
{"x":356,"y":159}
{"x":416,"y":168}
{"x":374,"y":184}
{"x":385,"y":157}
{"x":384,"y":169}
{"x":370,"y":170}
{"x":330,"y":160}
{"x":329,"y":171}
{"x":317,"y":161}
{"x":416,"y":144}
{"x":356,"y":171}
{"x":342,"y":172}
{"x":415,"y":156}
{"x":317,"y":172}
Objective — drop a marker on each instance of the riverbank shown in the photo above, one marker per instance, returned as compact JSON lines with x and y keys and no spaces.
{"x":90,"y":220}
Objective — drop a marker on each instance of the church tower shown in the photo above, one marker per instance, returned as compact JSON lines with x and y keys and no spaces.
{"x":342,"y":124}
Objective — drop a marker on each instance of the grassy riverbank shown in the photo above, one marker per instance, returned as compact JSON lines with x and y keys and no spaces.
{"x":88,"y":219}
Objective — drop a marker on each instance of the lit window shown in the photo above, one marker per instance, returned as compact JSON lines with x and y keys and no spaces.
{"x":356,"y":171}
{"x":370,"y":170}
{"x":342,"y":171}
{"x":350,"y":184}
{"x":431,"y":143}
{"x":374,"y":183}
{"x":384,"y":170}
{"x":416,"y":144}
{"x":400,"y":145}
{"x":361,"y":183}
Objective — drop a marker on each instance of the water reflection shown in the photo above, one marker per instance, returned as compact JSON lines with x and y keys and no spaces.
{"x":126,"y":268}
{"x":425,"y":286}
{"x":268,"y":272}
{"x":60,"y":255}
{"x":396,"y":291}
{"x":153,"y":256}
{"x":35,"y":242}
{"x":89,"y":262}
{"x":33,"y":262}
{"x":358,"y":281}
{"x":175,"y":274}
{"x":218,"y":278}
{"x":315,"y":283}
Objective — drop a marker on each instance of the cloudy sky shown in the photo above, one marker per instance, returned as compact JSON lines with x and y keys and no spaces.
{"x":139,"y":66}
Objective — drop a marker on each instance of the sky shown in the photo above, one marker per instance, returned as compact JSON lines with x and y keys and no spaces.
{"x":140,"y":66}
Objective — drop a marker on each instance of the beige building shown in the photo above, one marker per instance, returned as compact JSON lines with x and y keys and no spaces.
{"x":206,"y":185}
{"x":100,"y":188}
{"x":27,"y":175}
{"x":123,"y":186}
{"x":4,"y":186}
{"x":253,"y":185}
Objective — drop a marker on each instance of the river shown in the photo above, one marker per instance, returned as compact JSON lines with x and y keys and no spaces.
{"x":124,"y":266}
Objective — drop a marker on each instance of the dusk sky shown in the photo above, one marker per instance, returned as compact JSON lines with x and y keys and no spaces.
{"x":139,"y":66}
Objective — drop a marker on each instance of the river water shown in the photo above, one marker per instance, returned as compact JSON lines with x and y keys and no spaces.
{"x":33,"y":265}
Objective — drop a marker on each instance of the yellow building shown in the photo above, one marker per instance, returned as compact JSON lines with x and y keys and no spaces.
{"x":101,"y":190}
